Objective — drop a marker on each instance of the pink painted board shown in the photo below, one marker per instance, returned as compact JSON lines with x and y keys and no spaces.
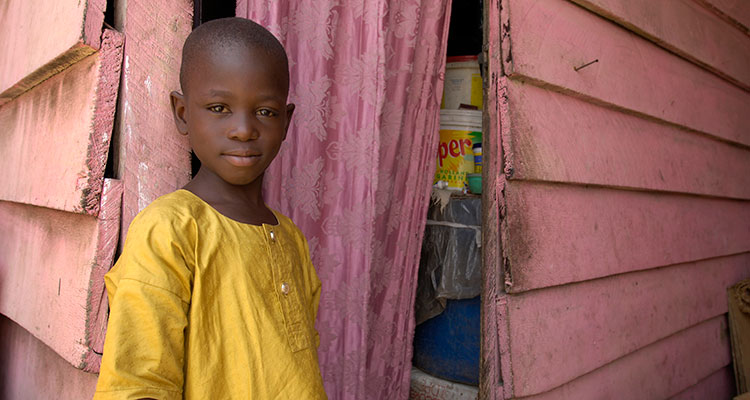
{"x":656,"y":371}
{"x":31,"y":370}
{"x":555,"y":234}
{"x":545,"y":40}
{"x":682,"y":26}
{"x":736,"y":12}
{"x":560,"y":138}
{"x":561,"y":333}
{"x":107,"y":237}
{"x":39,"y":39}
{"x":51,"y":268}
{"x":56,"y":136}
{"x":153,"y":159}
{"x":490,"y":370}
{"x":719,"y":385}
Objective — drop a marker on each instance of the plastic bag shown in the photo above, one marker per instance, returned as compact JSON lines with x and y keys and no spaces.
{"x":450,"y":265}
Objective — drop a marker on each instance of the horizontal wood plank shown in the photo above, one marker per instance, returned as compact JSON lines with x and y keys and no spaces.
{"x":554,"y":234}
{"x":682,"y":26}
{"x":718,"y":385}
{"x":562,"y":333}
{"x":52,"y":265}
{"x":56,"y":137}
{"x":559,"y":138}
{"x":736,"y":12}
{"x":546,"y":40}
{"x":656,"y":371}
{"x":40,"y":39}
{"x":31,"y":370}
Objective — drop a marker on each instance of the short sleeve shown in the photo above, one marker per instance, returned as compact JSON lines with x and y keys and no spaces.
{"x":149,"y":293}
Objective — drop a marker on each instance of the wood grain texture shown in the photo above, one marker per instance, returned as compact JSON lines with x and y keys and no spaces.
{"x":715,"y":386}
{"x":735,"y":12}
{"x":682,"y":27}
{"x":738,"y":298}
{"x":562,"y":333}
{"x":56,"y":137}
{"x":656,"y":371}
{"x":31,"y":370}
{"x":503,"y":277}
{"x":490,"y":369}
{"x":29,"y":53}
{"x":559,"y":138}
{"x":557,"y":234}
{"x":547,"y":39}
{"x":51,"y":268}
{"x":152,"y":158}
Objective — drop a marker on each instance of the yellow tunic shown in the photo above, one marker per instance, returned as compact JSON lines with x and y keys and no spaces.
{"x":205,"y":307}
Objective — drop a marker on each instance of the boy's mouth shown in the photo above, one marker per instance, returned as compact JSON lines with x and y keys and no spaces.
{"x":241,"y":158}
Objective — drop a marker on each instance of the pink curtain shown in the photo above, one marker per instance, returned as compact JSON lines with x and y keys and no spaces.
{"x":356,"y":170}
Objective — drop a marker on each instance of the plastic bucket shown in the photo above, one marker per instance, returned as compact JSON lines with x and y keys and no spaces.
{"x":463,"y":83}
{"x":447,"y":346}
{"x":459,"y":130}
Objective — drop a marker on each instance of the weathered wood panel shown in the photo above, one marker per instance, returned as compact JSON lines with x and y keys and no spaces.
{"x":736,"y":12}
{"x":39,"y":39}
{"x":52,"y":265}
{"x":559,"y":138}
{"x":490,"y":369}
{"x":716,"y":386}
{"x":153,"y":159}
{"x":31,"y":370}
{"x":656,"y":371}
{"x":545,"y":40}
{"x":555,"y":234}
{"x":55,"y":141}
{"x":561,"y":333}
{"x":683,"y":27}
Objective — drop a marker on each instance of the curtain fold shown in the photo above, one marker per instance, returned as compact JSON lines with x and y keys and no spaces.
{"x":356,"y":170}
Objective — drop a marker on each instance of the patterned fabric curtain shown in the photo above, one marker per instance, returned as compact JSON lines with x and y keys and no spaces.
{"x":356,"y":170}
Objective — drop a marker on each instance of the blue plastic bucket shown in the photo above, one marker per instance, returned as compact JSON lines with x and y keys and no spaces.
{"x":447,"y":346}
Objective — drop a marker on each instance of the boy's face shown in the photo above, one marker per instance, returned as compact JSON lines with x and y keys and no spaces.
{"x":234,"y":112}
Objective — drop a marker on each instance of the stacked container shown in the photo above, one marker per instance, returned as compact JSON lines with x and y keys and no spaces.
{"x":460,"y":123}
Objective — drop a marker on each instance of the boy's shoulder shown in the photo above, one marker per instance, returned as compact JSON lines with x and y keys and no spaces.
{"x":175,"y":205}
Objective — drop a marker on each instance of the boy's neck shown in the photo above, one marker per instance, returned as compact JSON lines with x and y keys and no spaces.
{"x":241,"y":203}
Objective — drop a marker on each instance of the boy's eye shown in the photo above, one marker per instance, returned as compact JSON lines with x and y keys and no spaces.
{"x":218,"y":109}
{"x":266,"y":112}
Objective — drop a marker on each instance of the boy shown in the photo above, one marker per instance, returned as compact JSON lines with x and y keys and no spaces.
{"x":214,"y":295}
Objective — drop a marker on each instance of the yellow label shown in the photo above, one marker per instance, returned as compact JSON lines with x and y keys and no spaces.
{"x":455,"y":157}
{"x":476,"y":90}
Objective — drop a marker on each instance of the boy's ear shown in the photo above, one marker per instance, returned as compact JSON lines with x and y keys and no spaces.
{"x":179,"y":111}
{"x":289,"y":112}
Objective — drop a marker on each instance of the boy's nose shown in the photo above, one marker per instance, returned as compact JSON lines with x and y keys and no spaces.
{"x":244,"y":128}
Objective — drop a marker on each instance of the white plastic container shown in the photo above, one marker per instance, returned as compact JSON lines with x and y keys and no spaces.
{"x":459,"y":130}
{"x":463,"y":83}
{"x":425,"y":386}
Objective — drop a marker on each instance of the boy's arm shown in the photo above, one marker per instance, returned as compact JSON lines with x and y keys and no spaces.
{"x":144,"y":346}
{"x":149,"y":290}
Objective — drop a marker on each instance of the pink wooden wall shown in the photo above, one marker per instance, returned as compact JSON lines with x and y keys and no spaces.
{"x":29,"y":369}
{"x":151,"y":157}
{"x":41,"y":38}
{"x":60,"y":220}
{"x":59,"y":215}
{"x":621,"y":194}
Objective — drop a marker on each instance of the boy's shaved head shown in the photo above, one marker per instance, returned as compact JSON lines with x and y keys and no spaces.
{"x":229,"y":34}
